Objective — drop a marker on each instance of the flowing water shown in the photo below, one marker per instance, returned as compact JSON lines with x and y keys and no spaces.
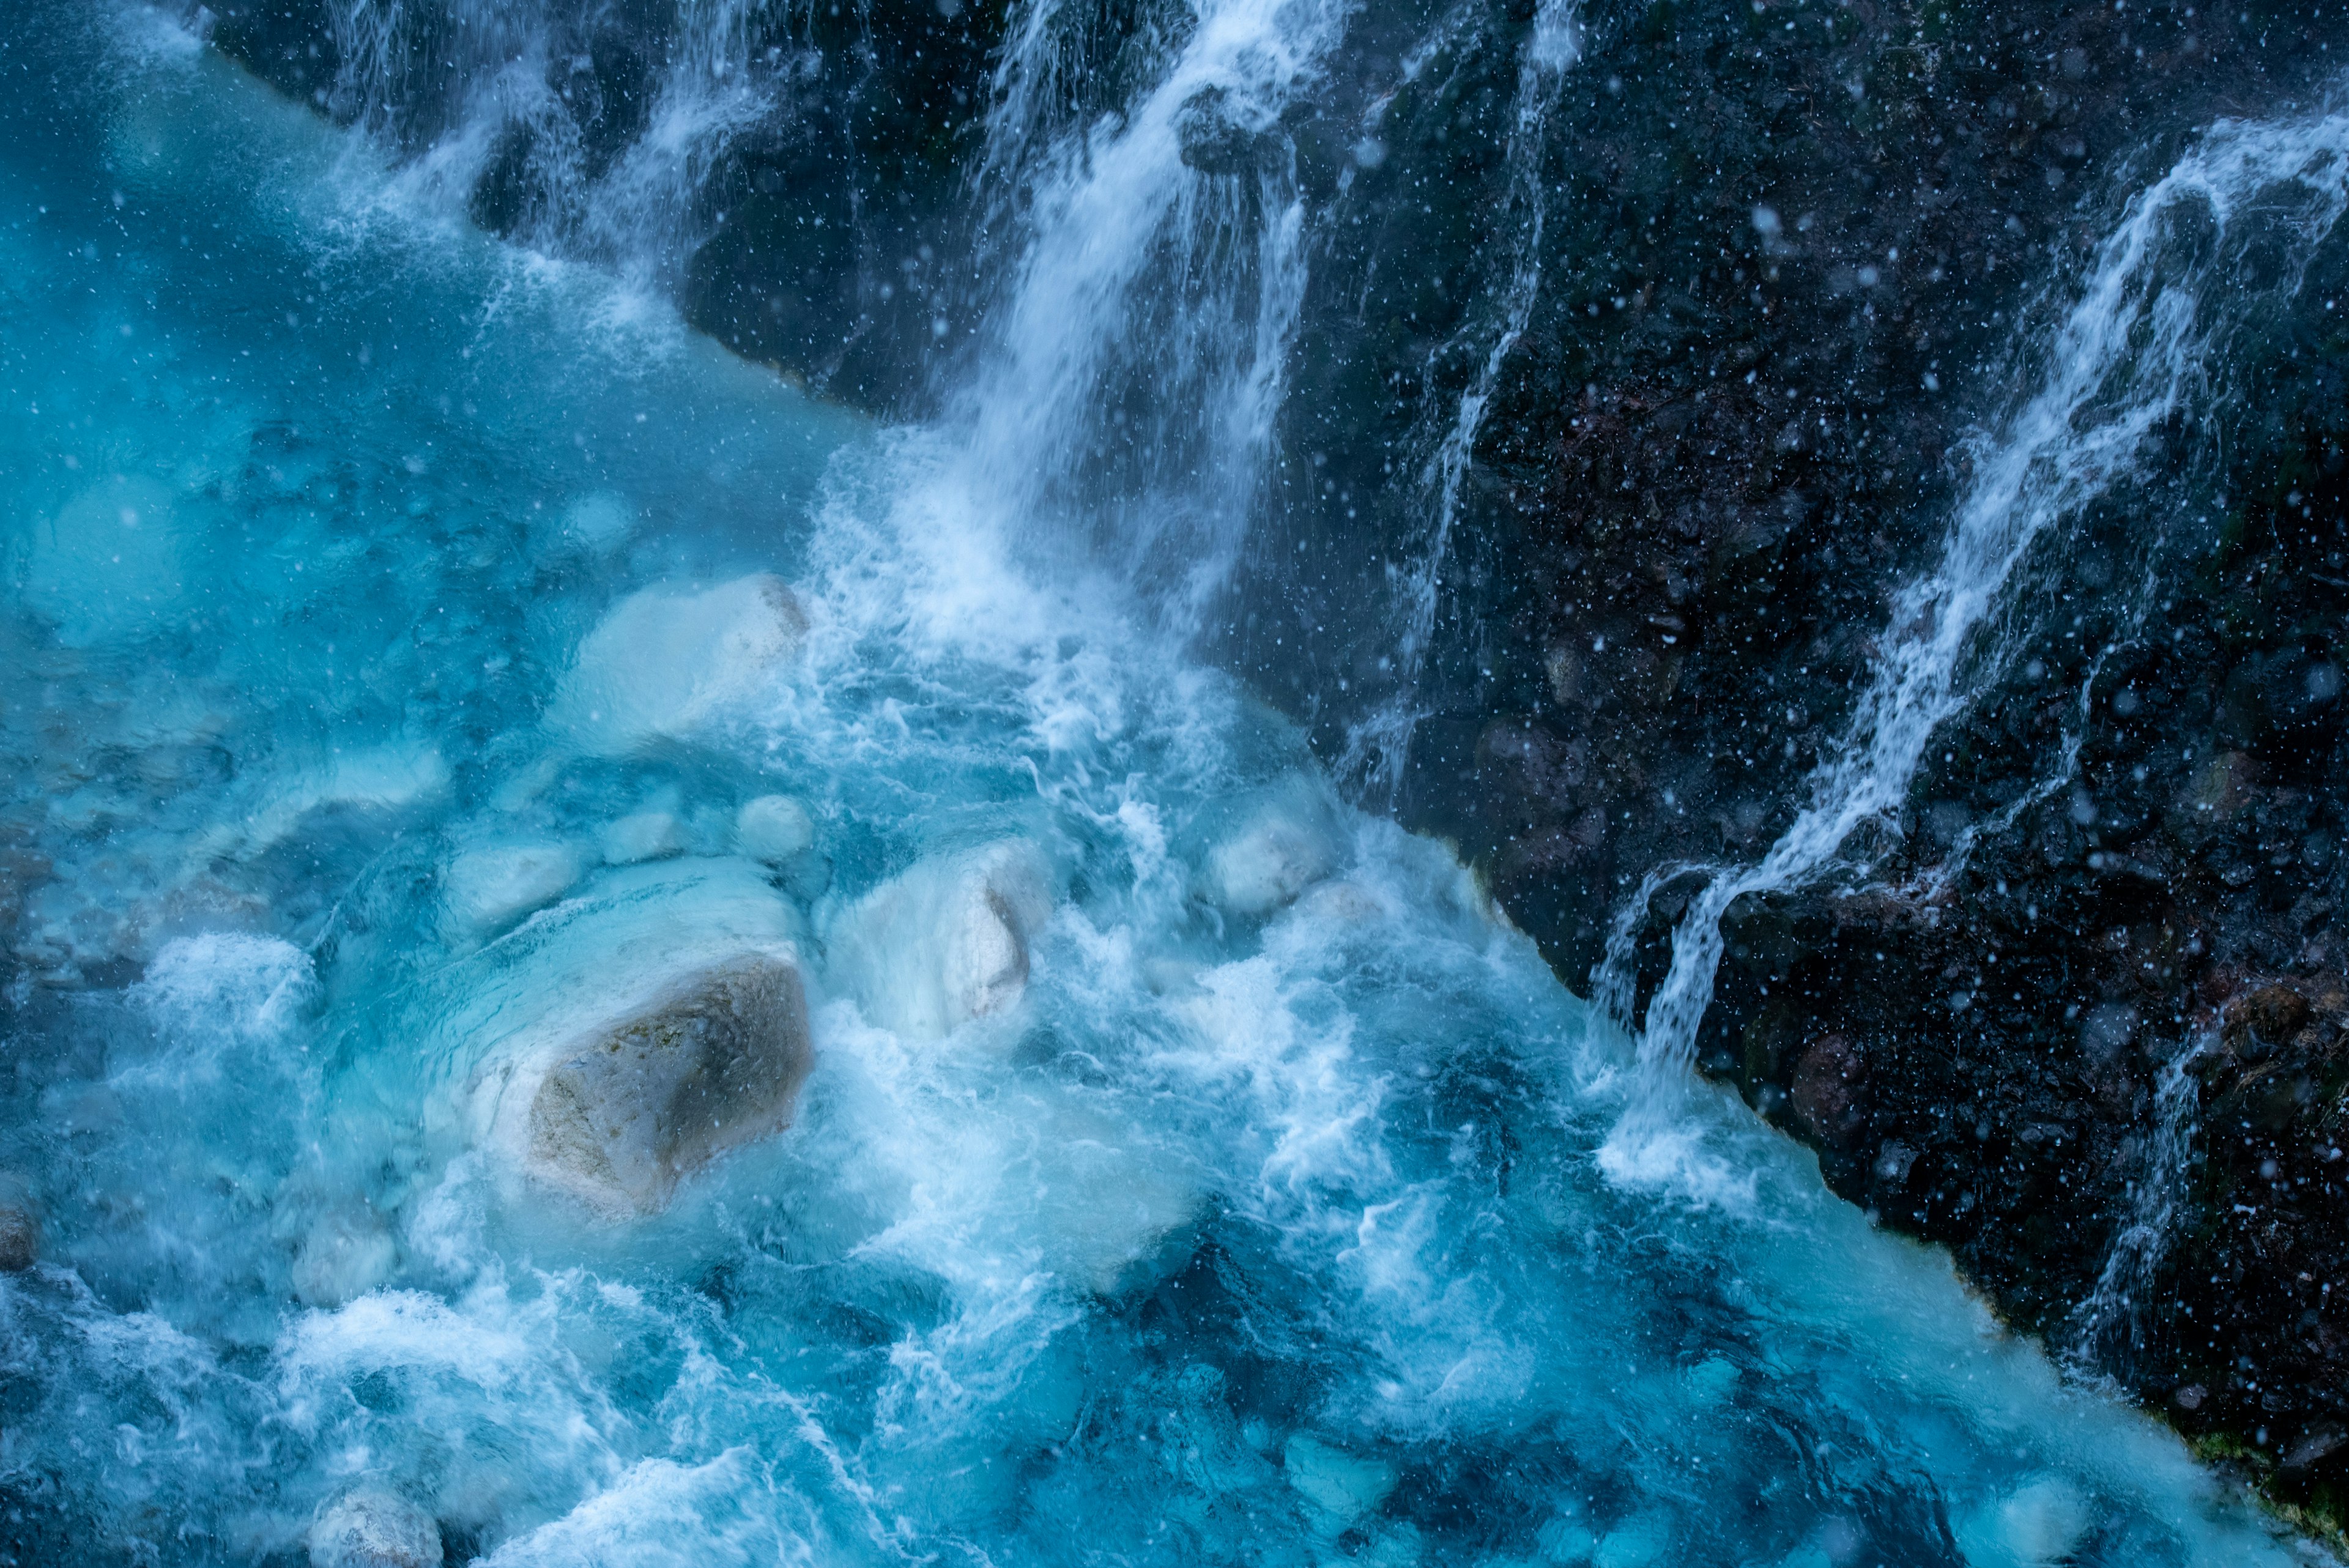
{"x":1378,"y":747}
{"x":1262,"y":1214}
{"x":2224,"y":233}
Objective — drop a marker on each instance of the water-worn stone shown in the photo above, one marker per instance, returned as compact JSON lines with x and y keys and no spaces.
{"x":651,"y":1025}
{"x":774,"y":828}
{"x":641,"y":836}
{"x":667,"y":659}
{"x":372,"y":1528}
{"x":484,"y":891}
{"x":1281,"y":844}
{"x":946,"y":940}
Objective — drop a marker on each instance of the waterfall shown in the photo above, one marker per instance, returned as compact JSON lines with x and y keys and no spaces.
{"x":498,"y":106}
{"x":2108,"y":1328}
{"x":2142,"y":340}
{"x":1154,"y":260}
{"x":1379,"y":744}
{"x":1117,"y":1149}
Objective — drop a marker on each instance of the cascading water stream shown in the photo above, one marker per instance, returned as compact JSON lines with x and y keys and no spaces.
{"x":2108,"y":1327}
{"x":1137,"y":353}
{"x":1378,"y":746}
{"x":2144,"y":338}
{"x":474,"y":90}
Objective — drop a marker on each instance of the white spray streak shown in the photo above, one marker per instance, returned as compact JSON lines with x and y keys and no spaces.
{"x":2122,"y":363}
{"x":2108,"y":1328}
{"x":1114,"y":214}
{"x":1377,"y":747}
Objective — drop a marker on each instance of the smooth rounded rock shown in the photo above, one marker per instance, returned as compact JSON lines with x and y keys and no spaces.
{"x":774,"y":828}
{"x":485,"y":890}
{"x":665,"y":660}
{"x":641,"y":836}
{"x":946,"y":941}
{"x":373,"y":1528}
{"x":1281,"y":844}
{"x":636,"y":1033}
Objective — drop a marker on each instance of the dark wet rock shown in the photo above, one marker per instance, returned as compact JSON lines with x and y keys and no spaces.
{"x":1785,"y":274}
{"x":20,"y":1237}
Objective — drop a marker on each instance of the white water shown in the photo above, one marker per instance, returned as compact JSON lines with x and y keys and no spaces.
{"x":1378,"y":747}
{"x":1139,"y":351}
{"x":2143,"y":344}
{"x":2108,"y":1327}
{"x":451,"y":80}
{"x":1256,"y":1229}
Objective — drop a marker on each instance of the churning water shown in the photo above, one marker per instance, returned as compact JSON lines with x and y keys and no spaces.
{"x":374,"y":585}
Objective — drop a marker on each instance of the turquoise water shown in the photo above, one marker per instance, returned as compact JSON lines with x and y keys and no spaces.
{"x":1263,"y":1223}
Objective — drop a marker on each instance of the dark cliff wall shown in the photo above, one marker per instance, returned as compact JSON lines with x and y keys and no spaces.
{"x":830,"y":236}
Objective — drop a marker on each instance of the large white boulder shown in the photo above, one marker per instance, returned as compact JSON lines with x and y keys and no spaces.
{"x":635,"y":1033}
{"x":372,"y":1528}
{"x":665,"y":660}
{"x":946,"y":940}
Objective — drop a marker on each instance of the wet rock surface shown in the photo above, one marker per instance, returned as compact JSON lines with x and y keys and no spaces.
{"x":642,"y":1030}
{"x":827,"y":225}
{"x":1791,"y":277}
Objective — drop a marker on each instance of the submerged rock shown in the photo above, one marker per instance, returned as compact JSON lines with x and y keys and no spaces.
{"x":1341,"y":1486}
{"x":342,"y":1257}
{"x":642,"y":836}
{"x":666,"y":659}
{"x":648,"y":1027}
{"x":946,"y":940}
{"x":20,"y":1226}
{"x":373,"y":1529}
{"x":485,"y":890}
{"x":109,"y":562}
{"x":774,"y":828}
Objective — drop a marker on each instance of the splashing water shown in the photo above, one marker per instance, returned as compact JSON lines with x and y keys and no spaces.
{"x":1139,"y":349}
{"x":473,"y":90}
{"x":1241,"y":1202}
{"x":2147,"y":334}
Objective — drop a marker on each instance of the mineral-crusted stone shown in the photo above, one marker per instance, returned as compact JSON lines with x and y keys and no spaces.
{"x":643,"y":1029}
{"x":666,"y":659}
{"x":946,"y":940}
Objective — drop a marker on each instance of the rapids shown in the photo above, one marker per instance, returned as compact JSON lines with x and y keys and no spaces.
{"x":1266,"y":1222}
